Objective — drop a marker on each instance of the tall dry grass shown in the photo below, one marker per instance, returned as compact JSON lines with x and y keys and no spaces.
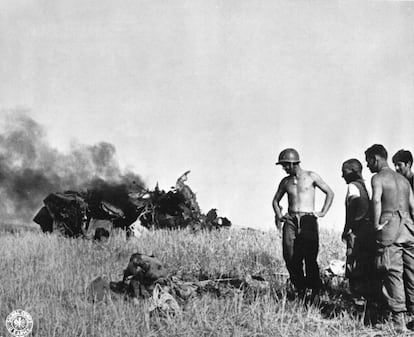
{"x":47,"y":276}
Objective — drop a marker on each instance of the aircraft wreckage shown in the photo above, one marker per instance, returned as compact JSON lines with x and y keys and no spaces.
{"x":93,"y":215}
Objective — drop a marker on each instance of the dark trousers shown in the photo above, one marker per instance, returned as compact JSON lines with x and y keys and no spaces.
{"x":360,"y":261}
{"x":301,"y":244}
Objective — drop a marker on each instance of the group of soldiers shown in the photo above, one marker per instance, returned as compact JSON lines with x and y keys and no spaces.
{"x":378,"y":231}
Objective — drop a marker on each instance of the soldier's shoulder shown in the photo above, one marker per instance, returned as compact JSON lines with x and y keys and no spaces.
{"x":284,"y":180}
{"x":402,"y":179}
{"x":377,"y":176}
{"x":396,"y":175}
{"x":312,"y":174}
{"x":385,"y":175}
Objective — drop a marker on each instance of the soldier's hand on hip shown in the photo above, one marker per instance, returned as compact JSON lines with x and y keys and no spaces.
{"x":279,"y":222}
{"x":381,"y":225}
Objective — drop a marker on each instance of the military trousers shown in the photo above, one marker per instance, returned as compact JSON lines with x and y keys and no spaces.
{"x":301,"y":246}
{"x":395,"y":263}
{"x":360,"y":265}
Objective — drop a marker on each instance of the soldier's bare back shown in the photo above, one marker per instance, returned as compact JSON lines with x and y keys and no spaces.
{"x":395,"y":190}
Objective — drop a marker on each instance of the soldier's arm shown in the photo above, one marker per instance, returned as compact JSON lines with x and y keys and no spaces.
{"x":376,"y":199}
{"x":276,"y":200}
{"x":350,"y":214}
{"x":411,"y":201}
{"x":329,"y":194}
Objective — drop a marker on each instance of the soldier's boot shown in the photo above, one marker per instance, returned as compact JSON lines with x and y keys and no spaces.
{"x":398,"y":322}
{"x":409,"y":318}
{"x":395,"y":322}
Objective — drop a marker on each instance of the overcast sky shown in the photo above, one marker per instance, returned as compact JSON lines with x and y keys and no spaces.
{"x":216,"y":87}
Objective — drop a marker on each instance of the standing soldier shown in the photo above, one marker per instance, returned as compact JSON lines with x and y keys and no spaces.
{"x":358,"y":235}
{"x":403,"y":160}
{"x":393,"y":203}
{"x":300,"y":229}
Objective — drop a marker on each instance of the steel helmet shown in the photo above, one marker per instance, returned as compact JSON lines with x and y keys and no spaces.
{"x":288,"y":156}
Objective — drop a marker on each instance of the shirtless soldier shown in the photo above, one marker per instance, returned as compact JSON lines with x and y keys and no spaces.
{"x":300,"y":229}
{"x":393,"y":209}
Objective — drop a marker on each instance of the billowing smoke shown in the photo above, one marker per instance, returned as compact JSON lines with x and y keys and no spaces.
{"x":30,"y":169}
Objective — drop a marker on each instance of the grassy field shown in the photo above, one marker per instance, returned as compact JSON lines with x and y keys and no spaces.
{"x":47,"y":276}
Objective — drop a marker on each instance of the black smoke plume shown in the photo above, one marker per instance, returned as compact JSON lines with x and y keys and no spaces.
{"x":30,"y":169}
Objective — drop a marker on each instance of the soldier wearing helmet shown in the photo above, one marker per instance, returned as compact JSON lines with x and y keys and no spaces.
{"x":300,"y":226}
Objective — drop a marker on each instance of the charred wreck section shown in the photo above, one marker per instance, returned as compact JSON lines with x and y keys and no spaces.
{"x":87,"y":214}
{"x":94,"y":213}
{"x":91,"y":213}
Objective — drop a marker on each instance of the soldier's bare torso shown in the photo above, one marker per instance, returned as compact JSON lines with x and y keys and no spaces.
{"x":301,"y":191}
{"x":395,"y":190}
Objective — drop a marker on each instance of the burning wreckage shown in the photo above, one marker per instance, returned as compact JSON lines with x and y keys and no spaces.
{"x":93,"y":214}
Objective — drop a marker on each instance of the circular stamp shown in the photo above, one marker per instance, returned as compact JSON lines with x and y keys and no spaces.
{"x":19,"y":323}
